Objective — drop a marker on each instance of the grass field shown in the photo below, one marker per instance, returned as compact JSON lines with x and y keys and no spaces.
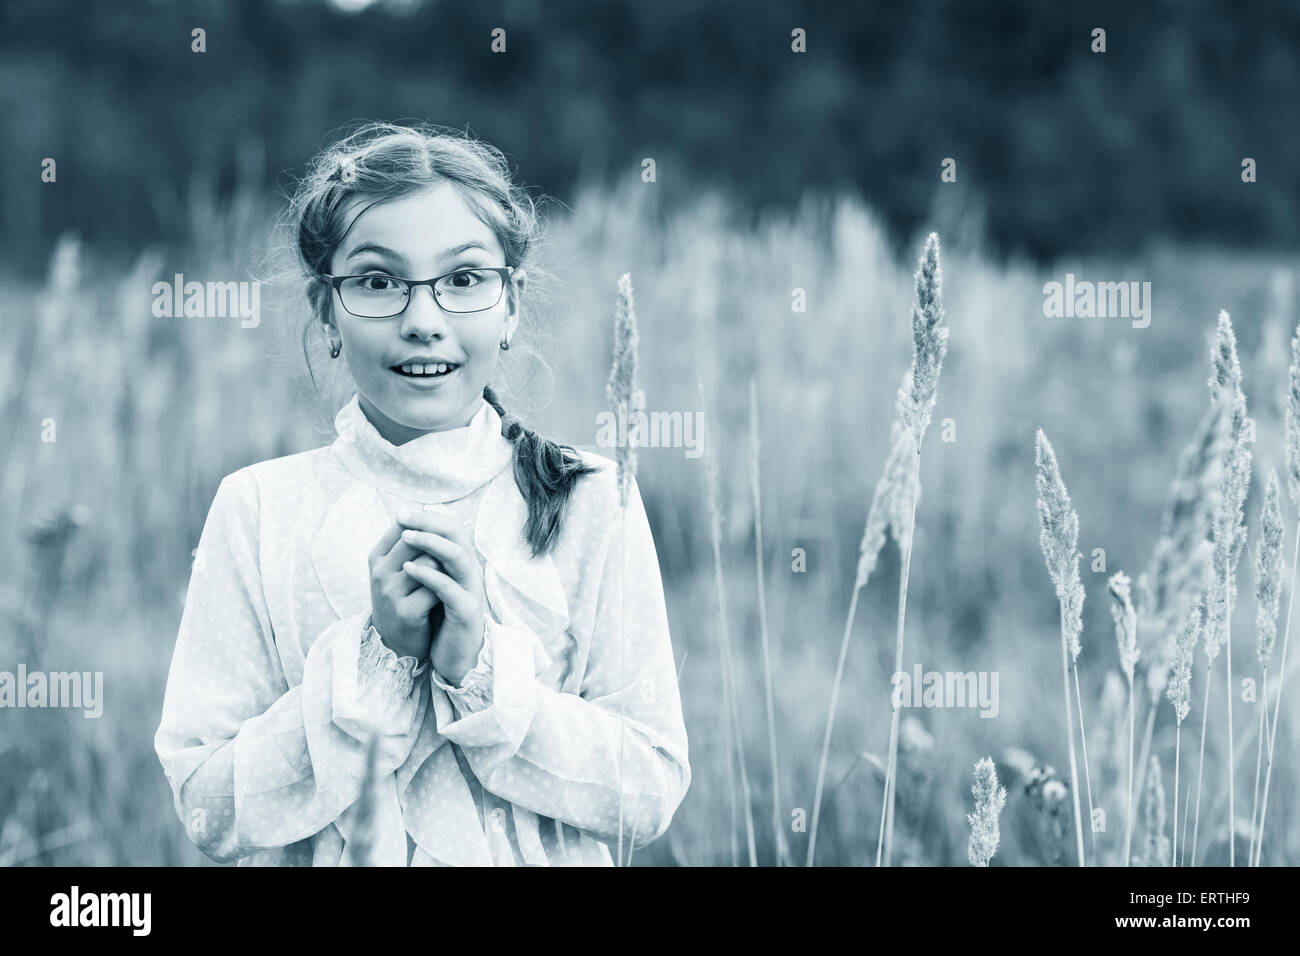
{"x":98,"y":526}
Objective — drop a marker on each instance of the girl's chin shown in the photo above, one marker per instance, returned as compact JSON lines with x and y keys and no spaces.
{"x":428,"y":407}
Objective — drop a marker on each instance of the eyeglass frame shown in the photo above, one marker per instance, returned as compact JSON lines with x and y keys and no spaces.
{"x":411,"y":284}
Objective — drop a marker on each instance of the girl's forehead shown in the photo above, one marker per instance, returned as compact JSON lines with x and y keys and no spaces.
{"x":418,"y":226}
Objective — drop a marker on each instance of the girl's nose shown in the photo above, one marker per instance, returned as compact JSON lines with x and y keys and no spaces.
{"x":423,"y":315}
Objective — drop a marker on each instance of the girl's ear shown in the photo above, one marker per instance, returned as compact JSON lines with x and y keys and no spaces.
{"x":518,"y":279}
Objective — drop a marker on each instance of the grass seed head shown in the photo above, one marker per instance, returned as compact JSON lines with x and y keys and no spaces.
{"x":1268,"y":570}
{"x":1229,"y":524}
{"x":1153,"y":817}
{"x":622,"y":392}
{"x":1293,"y":423}
{"x":917,"y":398}
{"x":892,"y":494}
{"x":1180,"y":563}
{"x":1059,"y":537}
{"x":1179,"y":690}
{"x":990,"y":798}
{"x":1125,"y":623}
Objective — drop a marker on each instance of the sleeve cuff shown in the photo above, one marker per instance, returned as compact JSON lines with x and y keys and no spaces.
{"x":493,"y":707}
{"x":366,"y":694}
{"x":341,"y":709}
{"x":474,"y":692}
{"x":378,"y":672}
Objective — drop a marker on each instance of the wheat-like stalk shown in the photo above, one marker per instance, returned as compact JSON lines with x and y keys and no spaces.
{"x":1153,"y":817}
{"x":621,"y":391}
{"x":1229,"y":538}
{"x":626,"y":401}
{"x":1083,"y":739}
{"x":990,"y":798}
{"x":1268,"y":584}
{"x":892,"y":487}
{"x":1292,"y":418}
{"x":915,"y":404}
{"x":1179,"y":691}
{"x":1059,"y":537}
{"x":755,"y":447}
{"x":1180,"y":562}
{"x":1126,"y":637}
{"x":929,"y":344}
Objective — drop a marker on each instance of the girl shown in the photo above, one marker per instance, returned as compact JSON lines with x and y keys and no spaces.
{"x":439,"y":581}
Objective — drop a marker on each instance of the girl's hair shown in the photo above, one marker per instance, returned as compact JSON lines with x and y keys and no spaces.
{"x":382,"y":161}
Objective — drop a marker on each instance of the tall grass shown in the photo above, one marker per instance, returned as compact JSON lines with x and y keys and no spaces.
{"x":1126,"y":638}
{"x":916,"y":400}
{"x":779,"y":846}
{"x":626,"y":401}
{"x":1180,"y":692}
{"x":1268,"y":583}
{"x":1156,"y":848}
{"x":729,"y":689}
{"x":1059,"y":538}
{"x":891,"y":489}
{"x":1229,"y":539}
{"x":893,"y":505}
{"x":1292,"y":419}
{"x":1175,"y":580}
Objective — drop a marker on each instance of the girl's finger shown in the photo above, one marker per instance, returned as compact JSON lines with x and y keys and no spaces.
{"x":385,"y":543}
{"x":401,"y":552}
{"x":408,"y":584}
{"x":439,"y":523}
{"x":419,"y":602}
{"x":451,"y":593}
{"x":454,"y":559}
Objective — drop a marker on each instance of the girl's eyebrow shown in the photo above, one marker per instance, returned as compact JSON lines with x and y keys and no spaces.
{"x":376,"y":248}
{"x":463,"y":247}
{"x":397,"y":257}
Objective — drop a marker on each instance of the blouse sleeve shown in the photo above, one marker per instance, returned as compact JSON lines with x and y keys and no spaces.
{"x":252,"y":762}
{"x":570,"y":756}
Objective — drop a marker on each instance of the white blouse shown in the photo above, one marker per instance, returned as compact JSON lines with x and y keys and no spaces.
{"x":274,"y":691}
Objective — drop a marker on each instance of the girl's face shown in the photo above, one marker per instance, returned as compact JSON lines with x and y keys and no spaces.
{"x":419,"y":236}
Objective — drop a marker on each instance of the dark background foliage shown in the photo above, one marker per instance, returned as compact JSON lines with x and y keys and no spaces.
{"x":1065,"y":149}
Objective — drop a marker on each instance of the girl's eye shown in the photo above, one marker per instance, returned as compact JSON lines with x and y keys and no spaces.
{"x":466,"y":279}
{"x":377,"y":283}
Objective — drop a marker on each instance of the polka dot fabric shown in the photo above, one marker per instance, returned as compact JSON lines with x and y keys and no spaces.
{"x":273,"y":690}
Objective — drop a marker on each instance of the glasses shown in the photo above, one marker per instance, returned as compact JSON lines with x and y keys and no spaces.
{"x":376,"y":295}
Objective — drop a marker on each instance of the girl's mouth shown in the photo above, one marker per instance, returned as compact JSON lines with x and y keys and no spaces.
{"x":425,"y":374}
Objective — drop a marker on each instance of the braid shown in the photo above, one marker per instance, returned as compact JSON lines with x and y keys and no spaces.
{"x":545,"y":473}
{"x":510,"y":425}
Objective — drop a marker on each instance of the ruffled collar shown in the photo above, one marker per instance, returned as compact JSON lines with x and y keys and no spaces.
{"x":437,"y":467}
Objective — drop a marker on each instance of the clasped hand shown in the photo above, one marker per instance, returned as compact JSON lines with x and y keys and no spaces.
{"x":426,"y":593}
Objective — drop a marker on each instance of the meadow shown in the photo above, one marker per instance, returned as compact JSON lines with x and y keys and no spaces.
{"x":97,"y":527}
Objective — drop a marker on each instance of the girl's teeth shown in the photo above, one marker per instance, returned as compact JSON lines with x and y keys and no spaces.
{"x":426,"y":369}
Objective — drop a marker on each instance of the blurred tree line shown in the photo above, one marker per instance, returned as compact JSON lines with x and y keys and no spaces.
{"x":1065,"y":149}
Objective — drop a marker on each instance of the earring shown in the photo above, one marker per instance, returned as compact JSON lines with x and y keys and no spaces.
{"x":505,"y":345}
{"x":335,"y":349}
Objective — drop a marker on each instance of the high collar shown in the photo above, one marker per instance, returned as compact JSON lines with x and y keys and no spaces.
{"x":438,"y":466}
